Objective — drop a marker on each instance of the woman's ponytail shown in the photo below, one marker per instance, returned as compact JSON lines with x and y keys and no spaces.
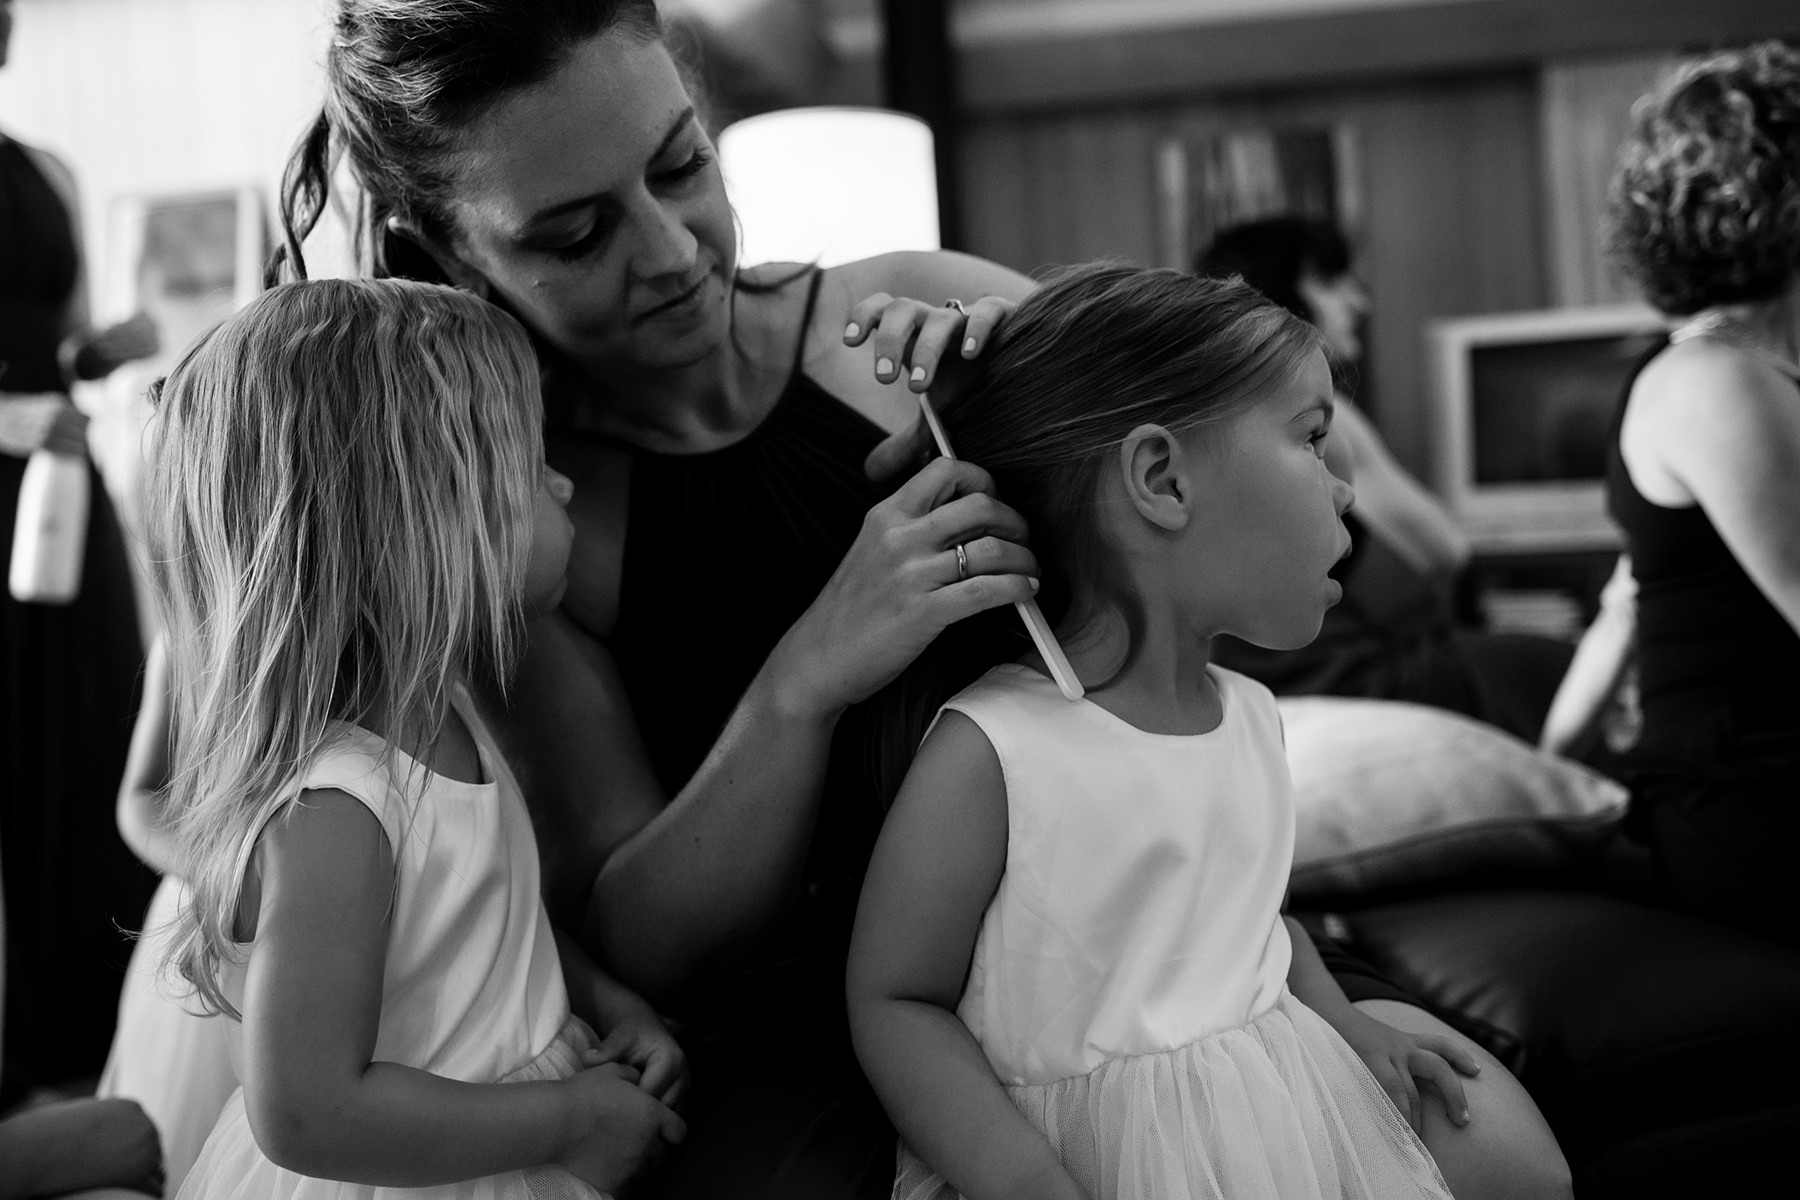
{"x":305,"y":189}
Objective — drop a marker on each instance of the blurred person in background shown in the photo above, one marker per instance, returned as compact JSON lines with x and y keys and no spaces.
{"x":1701,"y":477}
{"x":67,"y":671}
{"x":1396,"y":634}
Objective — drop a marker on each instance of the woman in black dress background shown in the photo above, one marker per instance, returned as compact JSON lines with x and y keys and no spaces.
{"x":69,"y":672}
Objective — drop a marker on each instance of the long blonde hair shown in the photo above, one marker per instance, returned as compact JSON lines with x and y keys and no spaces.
{"x":338,"y":503}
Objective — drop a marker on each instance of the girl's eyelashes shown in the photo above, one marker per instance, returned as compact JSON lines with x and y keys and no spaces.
{"x":1317,"y":440}
{"x":597,"y":233}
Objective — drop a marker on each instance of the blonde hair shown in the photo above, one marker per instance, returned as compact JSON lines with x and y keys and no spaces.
{"x":340,"y":490}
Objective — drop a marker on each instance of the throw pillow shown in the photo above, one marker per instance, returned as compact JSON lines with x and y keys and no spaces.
{"x":1395,"y":796}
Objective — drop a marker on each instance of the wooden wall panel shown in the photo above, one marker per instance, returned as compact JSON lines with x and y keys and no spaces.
{"x":1449,"y":172}
{"x":1145,"y":62}
{"x":1586,"y":114}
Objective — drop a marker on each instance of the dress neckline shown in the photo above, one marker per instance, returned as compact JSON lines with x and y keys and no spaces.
{"x":1107,"y":716}
{"x":795,"y":380}
{"x":1728,"y":331}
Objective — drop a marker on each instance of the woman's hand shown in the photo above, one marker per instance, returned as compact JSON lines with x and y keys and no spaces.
{"x":910,"y":337}
{"x":99,"y":352}
{"x":1401,"y":1061}
{"x":616,"y":1128}
{"x":639,"y":1039}
{"x":902,"y":583}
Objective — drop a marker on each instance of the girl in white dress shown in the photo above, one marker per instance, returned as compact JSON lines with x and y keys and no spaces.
{"x":348,"y":515}
{"x":1070,"y":975}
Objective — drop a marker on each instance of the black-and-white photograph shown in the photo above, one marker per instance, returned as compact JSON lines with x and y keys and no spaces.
{"x":899,"y":599}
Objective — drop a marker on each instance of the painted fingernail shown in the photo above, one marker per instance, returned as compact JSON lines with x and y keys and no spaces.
{"x":851,"y":330}
{"x":884,"y":366}
{"x":968,"y":345}
{"x":918,"y":375}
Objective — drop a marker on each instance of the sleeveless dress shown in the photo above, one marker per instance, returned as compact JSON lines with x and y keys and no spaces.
{"x":1714,"y":768}
{"x":778,"y":1105}
{"x":1129,"y":978}
{"x":68,"y":695}
{"x":472,"y":990}
{"x":167,"y":1053}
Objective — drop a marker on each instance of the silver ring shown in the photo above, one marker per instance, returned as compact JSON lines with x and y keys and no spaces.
{"x":957,"y":305}
{"x":962,"y":563}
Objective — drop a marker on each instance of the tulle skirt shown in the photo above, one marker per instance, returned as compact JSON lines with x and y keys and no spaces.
{"x":232,"y":1166}
{"x":168,"y":1054}
{"x":1279,"y":1109}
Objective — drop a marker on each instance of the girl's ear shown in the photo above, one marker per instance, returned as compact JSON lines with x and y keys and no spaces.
{"x":1153,"y":467}
{"x":457,"y":271}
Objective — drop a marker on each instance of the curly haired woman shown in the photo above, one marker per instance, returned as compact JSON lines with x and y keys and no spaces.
{"x":1703,"y":480}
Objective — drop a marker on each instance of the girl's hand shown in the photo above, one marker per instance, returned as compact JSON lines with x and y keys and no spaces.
{"x":901,"y":584}
{"x":910,"y":337}
{"x":616,"y":1128}
{"x":640,"y":1040}
{"x":1400,"y":1061}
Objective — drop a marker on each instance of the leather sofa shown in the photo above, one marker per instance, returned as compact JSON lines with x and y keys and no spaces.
{"x":1663,"y":1049}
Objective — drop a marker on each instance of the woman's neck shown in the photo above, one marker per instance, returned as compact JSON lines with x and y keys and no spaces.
{"x":1157,"y":681}
{"x":1770,"y":328}
{"x":702,"y":405}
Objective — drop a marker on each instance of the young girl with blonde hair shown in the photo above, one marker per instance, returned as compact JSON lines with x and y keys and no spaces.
{"x":350,"y":518}
{"x":1070,"y":976}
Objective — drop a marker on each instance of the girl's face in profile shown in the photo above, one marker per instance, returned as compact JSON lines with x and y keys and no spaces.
{"x":1268,"y":516}
{"x":592,"y":203}
{"x":546,"y":572}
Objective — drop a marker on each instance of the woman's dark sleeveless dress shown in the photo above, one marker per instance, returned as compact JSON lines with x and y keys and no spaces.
{"x":68,"y":676}
{"x":723,"y":552}
{"x":1715,"y":773}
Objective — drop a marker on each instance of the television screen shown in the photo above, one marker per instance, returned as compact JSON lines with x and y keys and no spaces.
{"x":1522,"y":406}
{"x":1541,"y":409}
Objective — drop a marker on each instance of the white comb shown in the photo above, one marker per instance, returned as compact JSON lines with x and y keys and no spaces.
{"x":1041,"y":637}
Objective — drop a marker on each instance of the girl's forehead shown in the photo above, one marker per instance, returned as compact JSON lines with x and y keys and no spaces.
{"x":589,"y":129}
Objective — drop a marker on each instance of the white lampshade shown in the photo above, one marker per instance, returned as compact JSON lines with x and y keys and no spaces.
{"x":830,"y":185}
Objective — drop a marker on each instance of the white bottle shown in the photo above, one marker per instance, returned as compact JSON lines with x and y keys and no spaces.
{"x":50,"y":534}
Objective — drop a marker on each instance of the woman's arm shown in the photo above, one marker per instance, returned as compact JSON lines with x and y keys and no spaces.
{"x":139,"y":809}
{"x":1600,"y":659}
{"x":69,"y":1146}
{"x":86,"y":353}
{"x":667,"y":894}
{"x":935,"y":868}
{"x":1394,"y":1057}
{"x":321,"y":893}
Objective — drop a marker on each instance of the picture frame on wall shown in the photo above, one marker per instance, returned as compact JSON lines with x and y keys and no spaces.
{"x":187,"y":259}
{"x":1210,"y":179}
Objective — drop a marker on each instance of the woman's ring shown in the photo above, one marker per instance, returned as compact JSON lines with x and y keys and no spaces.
{"x":957,"y":305}
{"x":962,"y":563}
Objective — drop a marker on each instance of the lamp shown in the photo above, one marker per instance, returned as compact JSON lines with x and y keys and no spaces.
{"x":830,"y":185}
